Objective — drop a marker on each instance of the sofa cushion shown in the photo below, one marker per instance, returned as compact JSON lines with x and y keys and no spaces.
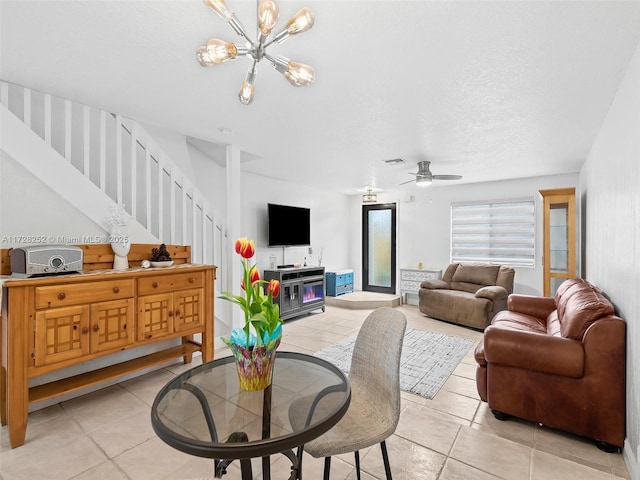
{"x":449,"y":271}
{"x":435,"y":283}
{"x":492,"y":292}
{"x":478,"y":274}
{"x":471,"y":288}
{"x":579,"y":305}
{"x":505,"y":278}
{"x":507,"y":320}
{"x":455,"y":306}
{"x":564,"y":292}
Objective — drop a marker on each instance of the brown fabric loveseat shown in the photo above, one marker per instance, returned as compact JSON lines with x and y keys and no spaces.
{"x":467,"y":294}
{"x":559,"y":362}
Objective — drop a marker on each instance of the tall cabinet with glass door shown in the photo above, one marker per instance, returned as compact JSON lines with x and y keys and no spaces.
{"x":559,"y":225}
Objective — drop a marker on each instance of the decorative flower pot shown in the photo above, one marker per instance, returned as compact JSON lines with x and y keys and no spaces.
{"x":255,"y":364}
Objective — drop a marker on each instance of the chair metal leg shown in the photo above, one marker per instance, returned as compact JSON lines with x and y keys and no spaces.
{"x":357,"y":455}
{"x":327,"y":467}
{"x":385,"y":459}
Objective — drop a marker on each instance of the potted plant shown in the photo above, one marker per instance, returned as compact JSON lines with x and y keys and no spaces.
{"x":254,"y":346}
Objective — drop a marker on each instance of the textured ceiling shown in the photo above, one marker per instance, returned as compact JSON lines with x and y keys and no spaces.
{"x":487,"y":90}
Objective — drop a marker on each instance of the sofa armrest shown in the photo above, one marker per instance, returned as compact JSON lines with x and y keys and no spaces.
{"x":534,"y":351}
{"x":539,"y":307}
{"x":492,"y":292}
{"x":435,"y":284}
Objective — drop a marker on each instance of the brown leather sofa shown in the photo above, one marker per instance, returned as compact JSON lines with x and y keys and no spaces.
{"x":559,"y":362}
{"x":467,"y":294}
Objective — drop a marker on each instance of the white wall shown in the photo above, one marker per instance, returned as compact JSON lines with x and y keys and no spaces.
{"x":330,"y":227}
{"x":610,"y":194}
{"x":424,"y":222}
{"x":210,"y":180}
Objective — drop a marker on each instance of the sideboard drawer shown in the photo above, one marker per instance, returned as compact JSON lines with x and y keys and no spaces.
{"x":169,"y":283}
{"x":79,"y":293}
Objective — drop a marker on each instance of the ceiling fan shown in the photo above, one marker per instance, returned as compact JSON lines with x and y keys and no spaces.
{"x":424,"y":176}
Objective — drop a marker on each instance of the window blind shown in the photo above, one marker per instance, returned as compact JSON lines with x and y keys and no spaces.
{"x":499,"y":232}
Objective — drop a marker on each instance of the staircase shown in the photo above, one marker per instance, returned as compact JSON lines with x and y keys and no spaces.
{"x":97,"y":159}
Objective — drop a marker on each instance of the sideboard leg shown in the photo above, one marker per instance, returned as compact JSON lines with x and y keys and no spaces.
{"x":187,"y":356}
{"x":16,"y":382}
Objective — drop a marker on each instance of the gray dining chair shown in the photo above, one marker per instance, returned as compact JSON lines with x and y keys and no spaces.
{"x":374,"y":375}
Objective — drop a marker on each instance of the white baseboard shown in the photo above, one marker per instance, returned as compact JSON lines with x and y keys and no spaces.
{"x":631,"y":459}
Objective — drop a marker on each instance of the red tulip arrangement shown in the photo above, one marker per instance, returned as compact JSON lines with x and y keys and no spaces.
{"x":260,"y":311}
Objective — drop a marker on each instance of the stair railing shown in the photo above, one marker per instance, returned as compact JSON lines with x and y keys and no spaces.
{"x":123,"y":160}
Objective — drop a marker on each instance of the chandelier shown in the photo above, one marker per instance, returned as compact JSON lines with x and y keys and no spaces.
{"x":218,"y":51}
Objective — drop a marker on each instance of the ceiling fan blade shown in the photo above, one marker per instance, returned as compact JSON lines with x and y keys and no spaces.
{"x":447,"y":177}
{"x":410,"y":181}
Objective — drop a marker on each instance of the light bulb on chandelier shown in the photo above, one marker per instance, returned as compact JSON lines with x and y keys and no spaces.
{"x":297,"y":73}
{"x":268,"y":13}
{"x":218,"y":51}
{"x":248,"y":86}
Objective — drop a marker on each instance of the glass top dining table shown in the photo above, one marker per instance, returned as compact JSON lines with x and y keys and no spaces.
{"x":204,"y":412}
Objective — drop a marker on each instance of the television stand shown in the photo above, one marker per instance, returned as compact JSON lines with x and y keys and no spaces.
{"x":301,"y":289}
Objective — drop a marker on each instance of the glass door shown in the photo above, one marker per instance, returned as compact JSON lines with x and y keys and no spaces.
{"x":379,"y":248}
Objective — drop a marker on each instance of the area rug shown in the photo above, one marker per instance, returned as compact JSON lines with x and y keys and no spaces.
{"x":427,"y":360}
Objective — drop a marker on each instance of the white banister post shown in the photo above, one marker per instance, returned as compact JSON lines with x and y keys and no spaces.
{"x":204,"y":234}
{"x":134,"y":167}
{"x":172,"y":211}
{"x":194,"y":222}
{"x":47,"y":118}
{"x":160,"y":198}
{"x":26,"y":96}
{"x":147,"y":183}
{"x":119,"y":199}
{"x":86,"y":115}
{"x":184,"y":212}
{"x":67,"y":129}
{"x":103,"y":150}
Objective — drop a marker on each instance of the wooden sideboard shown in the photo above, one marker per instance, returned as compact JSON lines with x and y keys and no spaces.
{"x":51,"y":323}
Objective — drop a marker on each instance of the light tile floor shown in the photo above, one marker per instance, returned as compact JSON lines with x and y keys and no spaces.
{"x":107,"y":434}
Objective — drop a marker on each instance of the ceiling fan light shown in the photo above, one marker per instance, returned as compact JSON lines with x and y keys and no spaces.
{"x":423,"y":181}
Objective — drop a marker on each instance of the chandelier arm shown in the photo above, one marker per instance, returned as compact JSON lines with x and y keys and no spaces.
{"x":278,"y":38}
{"x":237,"y":27}
{"x":279,"y":63}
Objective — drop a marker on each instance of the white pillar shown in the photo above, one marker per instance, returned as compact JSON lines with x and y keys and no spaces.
{"x":234,"y":223}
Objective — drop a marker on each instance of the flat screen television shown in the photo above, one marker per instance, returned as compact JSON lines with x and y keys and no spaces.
{"x":288,"y":226}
